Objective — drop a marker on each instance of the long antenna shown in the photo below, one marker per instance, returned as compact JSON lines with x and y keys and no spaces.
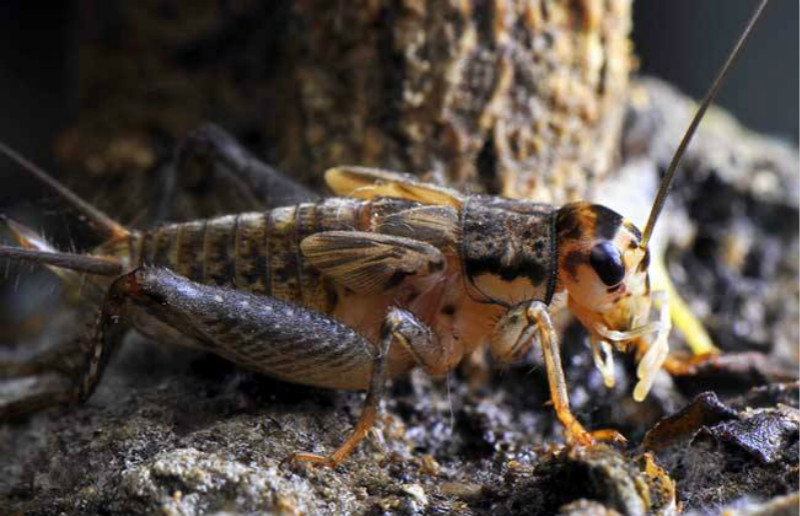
{"x":106,"y":223}
{"x":666,"y":182}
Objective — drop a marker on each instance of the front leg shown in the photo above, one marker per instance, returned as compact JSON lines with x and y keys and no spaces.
{"x":77,"y":365}
{"x":514,"y":334}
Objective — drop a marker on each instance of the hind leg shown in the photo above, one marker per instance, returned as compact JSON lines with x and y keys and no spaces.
{"x":33,"y":383}
{"x":32,"y":397}
{"x":36,"y":383}
{"x":212,"y":174}
{"x":65,"y":374}
{"x":267,"y":335}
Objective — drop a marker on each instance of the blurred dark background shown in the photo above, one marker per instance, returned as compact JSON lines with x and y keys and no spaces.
{"x":682,"y":41}
{"x":686,"y":41}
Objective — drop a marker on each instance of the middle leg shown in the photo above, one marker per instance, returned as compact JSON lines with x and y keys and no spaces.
{"x":400,"y":327}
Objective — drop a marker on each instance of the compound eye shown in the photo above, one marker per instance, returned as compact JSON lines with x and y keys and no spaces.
{"x":607,"y":263}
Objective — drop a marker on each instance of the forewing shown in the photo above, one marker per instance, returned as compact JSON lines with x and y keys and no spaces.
{"x":437,"y":225}
{"x":369,"y":263}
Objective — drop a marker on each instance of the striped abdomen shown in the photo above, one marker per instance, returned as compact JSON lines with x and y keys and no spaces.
{"x":257,"y":252}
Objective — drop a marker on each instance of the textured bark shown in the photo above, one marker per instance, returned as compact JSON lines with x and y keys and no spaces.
{"x":519,"y":97}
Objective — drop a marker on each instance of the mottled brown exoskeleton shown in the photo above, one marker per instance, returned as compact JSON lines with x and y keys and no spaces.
{"x":349,"y":291}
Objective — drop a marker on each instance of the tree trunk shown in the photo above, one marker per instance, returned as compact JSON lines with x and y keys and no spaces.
{"x":517,"y":97}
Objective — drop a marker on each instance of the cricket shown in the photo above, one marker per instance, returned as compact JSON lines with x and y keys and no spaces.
{"x":387,"y":275}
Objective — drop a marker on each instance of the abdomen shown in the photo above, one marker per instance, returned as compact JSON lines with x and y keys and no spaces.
{"x":258,"y":252}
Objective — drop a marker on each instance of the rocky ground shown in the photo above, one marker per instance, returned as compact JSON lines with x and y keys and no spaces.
{"x":176,"y":432}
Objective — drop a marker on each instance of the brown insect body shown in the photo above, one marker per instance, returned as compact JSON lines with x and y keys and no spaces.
{"x":348,"y":291}
{"x":505,"y":245}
